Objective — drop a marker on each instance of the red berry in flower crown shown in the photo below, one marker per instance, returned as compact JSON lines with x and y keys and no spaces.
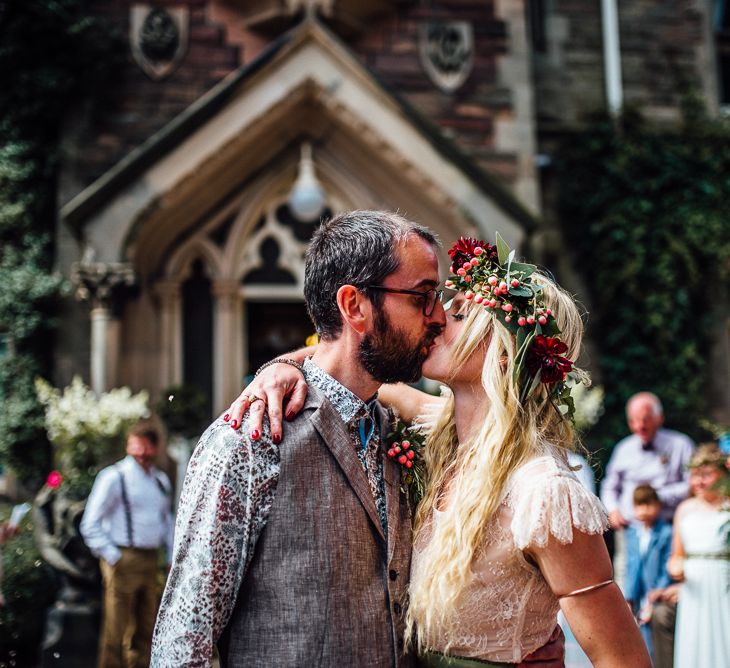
{"x":402,"y":459}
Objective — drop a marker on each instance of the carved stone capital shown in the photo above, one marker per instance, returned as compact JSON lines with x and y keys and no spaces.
{"x":226,"y":292}
{"x":104,"y":284}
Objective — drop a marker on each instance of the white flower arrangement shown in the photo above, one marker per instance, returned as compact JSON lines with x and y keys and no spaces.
{"x":85,"y":430}
{"x":588,"y":405}
{"x":78,"y":413}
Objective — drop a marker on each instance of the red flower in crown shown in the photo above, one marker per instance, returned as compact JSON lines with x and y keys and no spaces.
{"x":545,"y":354}
{"x":463,"y":250}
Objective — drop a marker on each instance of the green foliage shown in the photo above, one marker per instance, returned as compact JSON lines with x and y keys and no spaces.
{"x":184,"y":409}
{"x":645,"y":213}
{"x":52,"y":54}
{"x":28,"y":589}
{"x":24,"y":446}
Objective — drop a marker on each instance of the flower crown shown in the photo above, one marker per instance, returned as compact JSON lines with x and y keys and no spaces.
{"x":708,"y":455}
{"x":489,"y":276}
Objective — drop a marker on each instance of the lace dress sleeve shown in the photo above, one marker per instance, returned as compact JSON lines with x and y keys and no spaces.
{"x":547,"y":500}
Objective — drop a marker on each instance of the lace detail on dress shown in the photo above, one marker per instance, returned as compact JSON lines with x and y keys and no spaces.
{"x":507,"y":609}
{"x":547,"y":498}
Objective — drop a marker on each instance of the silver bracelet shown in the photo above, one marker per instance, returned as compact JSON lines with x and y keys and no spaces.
{"x":280,"y":360}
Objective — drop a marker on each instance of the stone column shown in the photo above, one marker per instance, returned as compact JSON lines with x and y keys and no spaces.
{"x":170,"y":332}
{"x":104,"y":285}
{"x":227,"y":351}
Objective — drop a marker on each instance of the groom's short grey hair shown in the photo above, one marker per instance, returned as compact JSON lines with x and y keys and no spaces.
{"x":359,"y":248}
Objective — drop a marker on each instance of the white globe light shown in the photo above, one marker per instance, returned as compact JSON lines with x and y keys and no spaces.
{"x":307,"y":198}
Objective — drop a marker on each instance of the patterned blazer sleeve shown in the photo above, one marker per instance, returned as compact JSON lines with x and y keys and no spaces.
{"x":225,"y":500}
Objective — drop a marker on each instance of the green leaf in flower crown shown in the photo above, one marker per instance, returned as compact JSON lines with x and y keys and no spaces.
{"x":524,"y":339}
{"x":523,"y":268}
{"x":551,"y":328}
{"x":510,"y":258}
{"x":529,"y":387}
{"x":502,"y":250}
{"x":521,"y":291}
{"x":511,"y":326}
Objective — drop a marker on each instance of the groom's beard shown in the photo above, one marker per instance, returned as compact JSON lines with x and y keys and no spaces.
{"x":385,"y":358}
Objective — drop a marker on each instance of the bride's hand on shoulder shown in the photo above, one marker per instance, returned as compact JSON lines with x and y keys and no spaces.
{"x":276,"y":386}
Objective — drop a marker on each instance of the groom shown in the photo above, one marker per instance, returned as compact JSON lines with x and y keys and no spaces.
{"x":299,"y":554}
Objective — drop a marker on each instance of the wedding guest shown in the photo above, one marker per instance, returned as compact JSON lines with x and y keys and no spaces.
{"x":651,"y":455}
{"x":128,"y":518}
{"x":701,"y":560}
{"x":648,"y":544}
{"x":663,"y":621}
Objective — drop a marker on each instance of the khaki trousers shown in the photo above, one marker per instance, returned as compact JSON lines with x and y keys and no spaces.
{"x":130,"y":609}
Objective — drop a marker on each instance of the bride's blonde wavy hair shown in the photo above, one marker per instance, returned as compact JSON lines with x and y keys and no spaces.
{"x":474,"y":473}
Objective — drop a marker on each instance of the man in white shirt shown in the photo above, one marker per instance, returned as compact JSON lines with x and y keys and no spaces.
{"x":651,"y":455}
{"x":128,"y":517}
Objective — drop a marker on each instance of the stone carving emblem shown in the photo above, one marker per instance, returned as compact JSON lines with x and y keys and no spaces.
{"x":447,"y":52}
{"x":159,"y":38}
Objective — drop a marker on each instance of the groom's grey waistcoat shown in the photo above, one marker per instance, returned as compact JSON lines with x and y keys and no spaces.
{"x":323,"y":588}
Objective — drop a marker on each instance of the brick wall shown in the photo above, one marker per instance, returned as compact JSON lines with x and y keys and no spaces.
{"x":134,"y":107}
{"x":467,"y":116}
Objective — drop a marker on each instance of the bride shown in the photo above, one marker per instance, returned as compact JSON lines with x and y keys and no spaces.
{"x":505,"y":534}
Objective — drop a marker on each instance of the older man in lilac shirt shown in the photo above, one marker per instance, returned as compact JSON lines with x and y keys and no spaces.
{"x":650,"y":456}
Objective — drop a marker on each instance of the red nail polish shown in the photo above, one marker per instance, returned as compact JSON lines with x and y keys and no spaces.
{"x":234,"y":424}
{"x":255,"y":434}
{"x":276,"y":438}
{"x":289,"y":417}
{"x":226,"y":417}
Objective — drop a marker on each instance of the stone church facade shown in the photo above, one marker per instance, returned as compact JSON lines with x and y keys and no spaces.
{"x":175,"y":215}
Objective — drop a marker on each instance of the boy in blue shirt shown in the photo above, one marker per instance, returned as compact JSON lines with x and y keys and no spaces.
{"x":648,"y":544}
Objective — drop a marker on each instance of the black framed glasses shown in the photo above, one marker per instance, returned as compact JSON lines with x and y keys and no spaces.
{"x":429,"y":298}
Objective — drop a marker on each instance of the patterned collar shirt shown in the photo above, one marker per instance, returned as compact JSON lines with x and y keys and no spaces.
{"x":128,"y":507}
{"x":229,"y":489}
{"x":661,"y":464}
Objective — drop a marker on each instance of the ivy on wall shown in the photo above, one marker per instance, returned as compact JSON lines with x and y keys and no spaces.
{"x":646,"y":215}
{"x":52,"y":55}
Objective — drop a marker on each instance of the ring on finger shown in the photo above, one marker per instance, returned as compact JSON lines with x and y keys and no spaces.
{"x":254,"y":398}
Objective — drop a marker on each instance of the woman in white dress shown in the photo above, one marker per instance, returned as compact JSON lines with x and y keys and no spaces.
{"x":701,"y":559}
{"x":505,"y":534}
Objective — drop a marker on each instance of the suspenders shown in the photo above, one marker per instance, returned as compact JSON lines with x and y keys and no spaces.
{"x":128,"y":507}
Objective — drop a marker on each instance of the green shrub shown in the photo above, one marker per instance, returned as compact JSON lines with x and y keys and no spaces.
{"x":53,"y":55}
{"x":645,"y":214}
{"x":28,"y":587}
